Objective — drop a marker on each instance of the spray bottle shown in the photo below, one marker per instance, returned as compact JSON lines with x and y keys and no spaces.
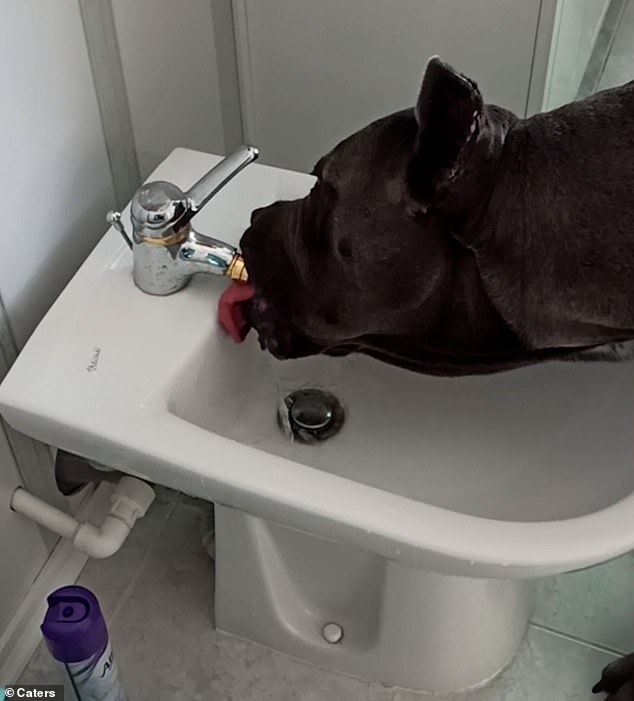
{"x":76,"y":635}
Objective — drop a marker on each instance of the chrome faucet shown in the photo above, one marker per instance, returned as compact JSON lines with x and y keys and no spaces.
{"x":167,"y":251}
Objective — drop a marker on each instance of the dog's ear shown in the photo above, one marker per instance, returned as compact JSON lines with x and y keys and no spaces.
{"x":448,"y":113}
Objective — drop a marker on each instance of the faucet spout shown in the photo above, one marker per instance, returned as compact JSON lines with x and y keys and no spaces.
{"x":205,"y":254}
{"x":167,"y":250}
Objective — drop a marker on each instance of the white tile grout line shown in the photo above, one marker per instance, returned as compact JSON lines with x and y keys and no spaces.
{"x":579,"y":641}
{"x":545,"y":629}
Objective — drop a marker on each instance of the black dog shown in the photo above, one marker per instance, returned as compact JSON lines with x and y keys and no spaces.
{"x":618,"y":680}
{"x":458,"y":239}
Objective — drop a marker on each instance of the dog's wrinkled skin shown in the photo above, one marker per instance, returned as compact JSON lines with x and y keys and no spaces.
{"x":458,"y":239}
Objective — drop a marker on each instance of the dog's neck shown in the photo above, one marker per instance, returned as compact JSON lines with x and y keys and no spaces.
{"x":562,"y":188}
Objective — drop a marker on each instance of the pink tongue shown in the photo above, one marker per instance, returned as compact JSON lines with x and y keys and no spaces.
{"x":231,"y":310}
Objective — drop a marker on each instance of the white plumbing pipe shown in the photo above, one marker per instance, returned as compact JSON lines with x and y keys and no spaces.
{"x":46,"y":515}
{"x":129,"y":502}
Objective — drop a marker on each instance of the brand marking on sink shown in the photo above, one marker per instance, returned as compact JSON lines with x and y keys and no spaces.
{"x":94,"y":360}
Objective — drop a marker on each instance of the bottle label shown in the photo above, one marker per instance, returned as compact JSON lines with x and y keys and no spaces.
{"x":97,"y":678}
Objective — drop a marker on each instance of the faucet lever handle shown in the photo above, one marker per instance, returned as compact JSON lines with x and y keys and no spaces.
{"x":201,"y":192}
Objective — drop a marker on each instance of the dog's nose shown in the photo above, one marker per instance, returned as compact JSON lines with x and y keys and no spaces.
{"x":245,"y":242}
{"x":256,"y":213}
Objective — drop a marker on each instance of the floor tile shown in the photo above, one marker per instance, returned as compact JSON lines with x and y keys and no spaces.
{"x":167,"y":648}
{"x":41,"y":669}
{"x":158,"y":598}
{"x":547,"y":668}
{"x":595,"y":605}
{"x":110,"y":578}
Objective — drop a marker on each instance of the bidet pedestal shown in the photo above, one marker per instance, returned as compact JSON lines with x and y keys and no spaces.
{"x":399,"y":626}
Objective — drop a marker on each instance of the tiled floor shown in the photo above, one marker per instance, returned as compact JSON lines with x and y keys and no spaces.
{"x":157,"y":592}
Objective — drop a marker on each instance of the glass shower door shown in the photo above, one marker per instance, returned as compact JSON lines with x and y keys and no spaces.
{"x":592,"y":49}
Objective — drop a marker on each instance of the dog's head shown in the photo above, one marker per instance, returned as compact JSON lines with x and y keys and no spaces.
{"x":366,"y":258}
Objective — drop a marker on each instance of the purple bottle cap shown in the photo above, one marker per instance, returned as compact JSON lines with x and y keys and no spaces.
{"x":73,"y":626}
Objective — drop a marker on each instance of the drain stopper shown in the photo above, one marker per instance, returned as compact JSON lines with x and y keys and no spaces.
{"x":311,"y":415}
{"x":332,"y":633}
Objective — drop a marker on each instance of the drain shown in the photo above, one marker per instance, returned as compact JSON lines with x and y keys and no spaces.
{"x":311,"y":415}
{"x":332,"y":633}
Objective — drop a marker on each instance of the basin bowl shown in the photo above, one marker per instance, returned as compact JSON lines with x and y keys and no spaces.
{"x":428,"y":511}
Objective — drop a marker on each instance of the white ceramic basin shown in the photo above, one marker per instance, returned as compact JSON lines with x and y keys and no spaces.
{"x":521,"y":474}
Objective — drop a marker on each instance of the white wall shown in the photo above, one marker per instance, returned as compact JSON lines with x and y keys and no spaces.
{"x":168,"y":54}
{"x":314,"y":72}
{"x":57,"y":180}
{"x":56,"y":183}
{"x":577,"y":24}
{"x":56,"y":188}
{"x":22,"y":549}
